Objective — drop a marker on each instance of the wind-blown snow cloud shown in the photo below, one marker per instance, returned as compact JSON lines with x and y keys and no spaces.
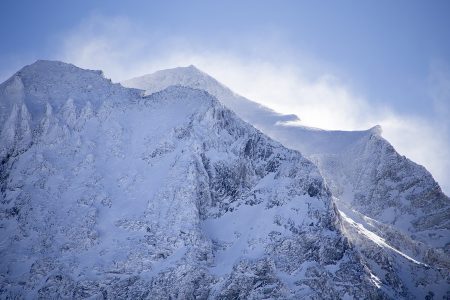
{"x":123,"y":50}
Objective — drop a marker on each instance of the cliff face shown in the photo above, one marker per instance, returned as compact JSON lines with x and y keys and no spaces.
{"x":108,"y":193}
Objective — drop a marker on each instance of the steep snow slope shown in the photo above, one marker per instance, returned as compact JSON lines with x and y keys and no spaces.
{"x":194,"y":78}
{"x":381,"y":194}
{"x":106,"y":193}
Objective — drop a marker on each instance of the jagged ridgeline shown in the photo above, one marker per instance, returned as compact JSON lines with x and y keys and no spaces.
{"x":393,"y":211}
{"x":110,"y":192}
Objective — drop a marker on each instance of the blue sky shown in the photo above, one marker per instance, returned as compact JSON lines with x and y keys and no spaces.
{"x":386,"y":48}
{"x":373,"y":62}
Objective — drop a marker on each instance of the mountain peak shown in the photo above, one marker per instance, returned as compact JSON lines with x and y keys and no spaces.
{"x":376,"y":130}
{"x":192,"y":67}
{"x":53,"y":68}
{"x":193,"y":77}
{"x":187,"y":76}
{"x":189,"y":73}
{"x":53,"y":82}
{"x":48,"y":62}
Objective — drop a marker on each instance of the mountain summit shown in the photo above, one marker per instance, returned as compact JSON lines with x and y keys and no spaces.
{"x":192,"y":77}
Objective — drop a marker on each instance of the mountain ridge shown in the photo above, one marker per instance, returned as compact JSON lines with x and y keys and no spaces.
{"x":111,"y":193}
{"x":369,"y":178}
{"x":120,"y":195}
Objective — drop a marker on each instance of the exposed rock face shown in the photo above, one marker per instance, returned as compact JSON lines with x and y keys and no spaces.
{"x":393,"y":211}
{"x":107,"y":193}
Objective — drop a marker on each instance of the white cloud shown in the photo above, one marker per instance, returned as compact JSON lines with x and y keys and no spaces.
{"x":124,"y":50}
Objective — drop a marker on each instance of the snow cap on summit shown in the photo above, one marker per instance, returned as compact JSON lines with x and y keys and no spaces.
{"x":45,"y":66}
{"x":376,"y":130}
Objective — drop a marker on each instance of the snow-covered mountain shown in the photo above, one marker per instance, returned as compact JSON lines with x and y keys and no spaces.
{"x":392,"y":209}
{"x":108,"y":193}
{"x":113,"y":192}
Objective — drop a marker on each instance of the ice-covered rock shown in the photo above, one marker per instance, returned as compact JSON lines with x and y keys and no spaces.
{"x":381,"y":195}
{"x":110,"y":193}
